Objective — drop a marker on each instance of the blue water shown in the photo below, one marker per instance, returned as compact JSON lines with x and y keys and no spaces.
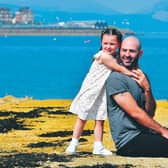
{"x":45,"y":67}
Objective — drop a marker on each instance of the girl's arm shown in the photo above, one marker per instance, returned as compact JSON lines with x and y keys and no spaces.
{"x":111,"y":63}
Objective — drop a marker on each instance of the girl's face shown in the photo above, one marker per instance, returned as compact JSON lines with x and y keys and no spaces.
{"x":110,"y":44}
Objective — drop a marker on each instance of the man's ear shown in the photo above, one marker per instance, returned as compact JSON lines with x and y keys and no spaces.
{"x":140,"y":53}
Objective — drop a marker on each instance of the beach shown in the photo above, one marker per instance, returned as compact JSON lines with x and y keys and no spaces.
{"x":35,"y":133}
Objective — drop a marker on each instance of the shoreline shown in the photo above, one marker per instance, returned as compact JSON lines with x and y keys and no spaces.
{"x":11,"y":97}
{"x":12,"y":103}
{"x":58,"y":32}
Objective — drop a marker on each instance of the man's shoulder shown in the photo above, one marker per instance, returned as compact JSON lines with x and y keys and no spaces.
{"x":117,"y":83}
{"x":116,"y":74}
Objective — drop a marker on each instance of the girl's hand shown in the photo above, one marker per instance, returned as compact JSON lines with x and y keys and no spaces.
{"x":141,"y":79}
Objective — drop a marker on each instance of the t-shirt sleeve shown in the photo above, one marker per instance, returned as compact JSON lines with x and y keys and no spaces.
{"x":116,"y":83}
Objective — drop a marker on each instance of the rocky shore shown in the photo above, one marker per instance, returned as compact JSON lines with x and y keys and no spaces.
{"x":54,"y":31}
{"x":35,"y":133}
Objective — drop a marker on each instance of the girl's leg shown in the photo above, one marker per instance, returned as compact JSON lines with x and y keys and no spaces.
{"x":98,"y":130}
{"x":79,"y":125}
{"x":78,"y":128}
{"x":98,"y":138}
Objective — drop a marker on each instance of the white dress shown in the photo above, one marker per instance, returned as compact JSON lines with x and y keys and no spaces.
{"x":90,"y":102}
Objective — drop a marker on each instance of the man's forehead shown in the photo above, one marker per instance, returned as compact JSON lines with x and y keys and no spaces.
{"x":129,"y":45}
{"x":130,"y":42}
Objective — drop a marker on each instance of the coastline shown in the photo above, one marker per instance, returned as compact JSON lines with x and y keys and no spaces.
{"x":54,"y":31}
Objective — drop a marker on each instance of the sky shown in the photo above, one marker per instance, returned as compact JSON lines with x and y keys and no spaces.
{"x":47,"y":10}
{"x":101,"y":6}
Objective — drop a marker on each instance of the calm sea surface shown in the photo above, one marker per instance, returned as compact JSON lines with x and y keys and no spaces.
{"x":45,"y":67}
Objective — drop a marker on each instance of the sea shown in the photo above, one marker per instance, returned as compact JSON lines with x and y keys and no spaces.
{"x":53,"y":67}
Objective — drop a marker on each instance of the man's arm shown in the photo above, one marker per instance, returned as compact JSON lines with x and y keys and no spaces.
{"x":150,"y":104}
{"x":129,"y":105}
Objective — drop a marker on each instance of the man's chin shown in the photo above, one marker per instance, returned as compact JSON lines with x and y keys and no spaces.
{"x":127,"y":65}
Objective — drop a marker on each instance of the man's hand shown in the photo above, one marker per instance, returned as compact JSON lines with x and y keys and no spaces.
{"x":165,"y":133}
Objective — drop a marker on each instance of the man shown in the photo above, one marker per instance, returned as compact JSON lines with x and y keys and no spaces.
{"x":131,"y":108}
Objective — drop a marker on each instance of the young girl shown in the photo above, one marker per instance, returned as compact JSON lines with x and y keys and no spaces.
{"x":90,"y":102}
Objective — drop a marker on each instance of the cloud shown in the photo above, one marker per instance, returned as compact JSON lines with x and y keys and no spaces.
{"x":129,"y":6}
{"x":161,"y":15}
